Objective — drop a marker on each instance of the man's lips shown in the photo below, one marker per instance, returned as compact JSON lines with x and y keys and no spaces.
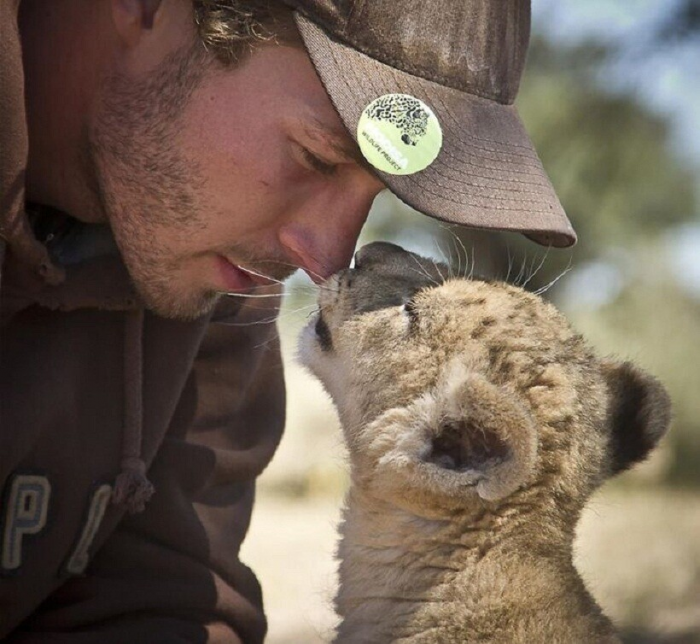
{"x":237,"y":279}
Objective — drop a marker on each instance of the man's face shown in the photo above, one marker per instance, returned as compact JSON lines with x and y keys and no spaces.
{"x":210,"y":176}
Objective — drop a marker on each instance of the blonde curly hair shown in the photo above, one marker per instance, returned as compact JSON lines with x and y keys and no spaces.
{"x":231,"y":29}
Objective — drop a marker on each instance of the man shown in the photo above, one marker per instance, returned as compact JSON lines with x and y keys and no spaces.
{"x":172,"y":151}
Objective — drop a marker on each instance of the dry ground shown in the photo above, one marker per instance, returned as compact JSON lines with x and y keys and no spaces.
{"x":639,"y":551}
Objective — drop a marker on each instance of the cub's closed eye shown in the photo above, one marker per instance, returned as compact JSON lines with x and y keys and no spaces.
{"x":411,"y":312}
{"x":323,"y":334}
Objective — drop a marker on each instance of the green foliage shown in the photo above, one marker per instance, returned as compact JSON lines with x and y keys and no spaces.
{"x":607,"y":156}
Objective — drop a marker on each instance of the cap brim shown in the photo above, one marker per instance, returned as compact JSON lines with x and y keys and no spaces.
{"x":487,"y":174}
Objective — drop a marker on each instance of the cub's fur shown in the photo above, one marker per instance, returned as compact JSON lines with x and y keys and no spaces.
{"x":478,"y":424}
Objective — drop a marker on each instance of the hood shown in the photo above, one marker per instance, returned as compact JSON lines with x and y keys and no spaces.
{"x":31,"y":271}
{"x":61,"y":263}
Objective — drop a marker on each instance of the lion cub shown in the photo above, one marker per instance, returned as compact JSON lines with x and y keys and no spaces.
{"x":478,"y":424}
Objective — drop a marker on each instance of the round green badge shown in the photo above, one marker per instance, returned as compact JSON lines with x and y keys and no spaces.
{"x":399,"y":134}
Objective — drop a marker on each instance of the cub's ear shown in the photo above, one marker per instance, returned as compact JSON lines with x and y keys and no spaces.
{"x":639,"y":413}
{"x":483,"y":434}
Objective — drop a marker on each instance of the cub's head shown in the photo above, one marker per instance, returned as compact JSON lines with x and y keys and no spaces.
{"x":457,"y":393}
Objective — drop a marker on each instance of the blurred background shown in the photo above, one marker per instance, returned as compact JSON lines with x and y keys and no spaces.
{"x":611,"y":98}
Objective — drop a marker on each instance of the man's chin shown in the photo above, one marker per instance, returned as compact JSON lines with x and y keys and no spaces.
{"x":177,"y":307}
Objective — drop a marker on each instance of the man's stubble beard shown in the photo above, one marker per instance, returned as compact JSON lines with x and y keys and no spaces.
{"x":144,"y":183}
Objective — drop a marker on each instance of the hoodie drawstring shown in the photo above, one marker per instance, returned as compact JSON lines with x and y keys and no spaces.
{"x":132,"y":489}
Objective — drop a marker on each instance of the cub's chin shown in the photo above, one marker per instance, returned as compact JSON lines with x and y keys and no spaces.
{"x":314,"y":353}
{"x":306,"y":347}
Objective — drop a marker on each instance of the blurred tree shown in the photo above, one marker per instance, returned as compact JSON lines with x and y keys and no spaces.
{"x":681,"y":24}
{"x":608,"y":157}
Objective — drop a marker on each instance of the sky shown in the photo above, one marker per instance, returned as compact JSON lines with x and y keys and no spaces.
{"x":667,"y":79}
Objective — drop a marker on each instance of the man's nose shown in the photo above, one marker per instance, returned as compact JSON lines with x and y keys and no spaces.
{"x":323,"y":238}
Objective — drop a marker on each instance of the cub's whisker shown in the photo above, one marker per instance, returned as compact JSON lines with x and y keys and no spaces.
{"x":539,"y":267}
{"x":546,"y":287}
{"x":510,"y":262}
{"x":425,"y":272}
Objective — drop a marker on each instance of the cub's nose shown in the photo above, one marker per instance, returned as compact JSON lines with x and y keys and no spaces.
{"x":389,"y":259}
{"x":377,"y":253}
{"x":387,"y":275}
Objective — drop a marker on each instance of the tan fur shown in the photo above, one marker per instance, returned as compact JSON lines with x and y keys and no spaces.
{"x":478,"y":426}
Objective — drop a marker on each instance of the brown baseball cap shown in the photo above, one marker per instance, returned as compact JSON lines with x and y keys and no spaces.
{"x":454,"y":65}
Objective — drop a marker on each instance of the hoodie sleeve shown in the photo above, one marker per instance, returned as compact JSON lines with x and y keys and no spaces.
{"x":172,"y":572}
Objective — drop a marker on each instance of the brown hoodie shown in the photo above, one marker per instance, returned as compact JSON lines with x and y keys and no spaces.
{"x":104,"y":406}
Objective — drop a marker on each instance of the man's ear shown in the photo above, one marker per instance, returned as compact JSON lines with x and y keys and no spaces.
{"x":131,"y":17}
{"x":639,"y":413}
{"x":482,"y":433}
